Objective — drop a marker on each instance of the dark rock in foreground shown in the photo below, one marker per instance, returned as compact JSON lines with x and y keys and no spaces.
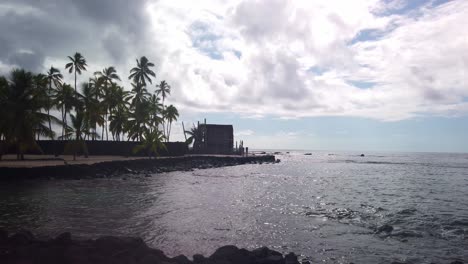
{"x":24,"y":248}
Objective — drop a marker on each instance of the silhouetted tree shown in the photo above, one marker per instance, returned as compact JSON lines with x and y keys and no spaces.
{"x":195,"y":137}
{"x":77,"y":64}
{"x":155,"y":112}
{"x":76,"y":134}
{"x":108,"y":75}
{"x":170,"y":114}
{"x":142,"y":71}
{"x":54,"y":77}
{"x":118,"y":101}
{"x":64,"y":101}
{"x":163,"y":89}
{"x":151,"y":144}
{"x":23,"y":118}
{"x":91,"y":109}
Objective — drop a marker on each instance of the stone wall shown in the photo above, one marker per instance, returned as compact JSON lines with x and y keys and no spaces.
{"x":106,"y":148}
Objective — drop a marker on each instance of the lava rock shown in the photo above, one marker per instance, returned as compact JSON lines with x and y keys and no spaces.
{"x":64,"y":238}
{"x":224,"y":252}
{"x":385,"y":228}
{"x":21,"y":238}
{"x":231,"y":254}
{"x":291,"y":258}
{"x":273,"y":259}
{"x":114,"y":244}
{"x":198,"y":258}
{"x":181,"y":259}
{"x":264,"y":252}
{"x":24,"y":248}
{"x":3,"y":236}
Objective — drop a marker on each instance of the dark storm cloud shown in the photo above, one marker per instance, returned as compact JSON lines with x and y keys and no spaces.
{"x":128,"y":15}
{"x":31,"y":61}
{"x":32,"y":29}
{"x":28,"y":37}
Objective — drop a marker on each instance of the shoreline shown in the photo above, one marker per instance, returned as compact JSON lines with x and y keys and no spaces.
{"x":117,"y":167}
{"x":23,"y":247}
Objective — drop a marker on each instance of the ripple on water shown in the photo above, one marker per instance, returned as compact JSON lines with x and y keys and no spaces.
{"x":327,"y":208}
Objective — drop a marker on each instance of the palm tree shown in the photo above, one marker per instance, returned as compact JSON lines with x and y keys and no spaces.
{"x":64,"y":100}
{"x":77,"y":64}
{"x":54,"y":76}
{"x":91,"y":107}
{"x":118,"y":121}
{"x":76,"y":134}
{"x":98,"y":91}
{"x":117,"y":99}
{"x":155,"y":112}
{"x":171,"y":114}
{"x":23,"y":116}
{"x":121,"y":98}
{"x":40,"y":86}
{"x":140,"y":94}
{"x":108,"y":75}
{"x":195,"y":137}
{"x":3,"y":119}
{"x":139,"y":114}
{"x":142,"y":71}
{"x":151,"y":144}
{"x":138,"y":118}
{"x":164,"y":90}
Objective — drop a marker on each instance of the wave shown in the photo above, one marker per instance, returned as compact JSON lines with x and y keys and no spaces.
{"x":369,"y":162}
{"x":448,"y":166}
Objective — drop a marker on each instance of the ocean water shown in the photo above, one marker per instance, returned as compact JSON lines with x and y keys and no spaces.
{"x":327,"y":207}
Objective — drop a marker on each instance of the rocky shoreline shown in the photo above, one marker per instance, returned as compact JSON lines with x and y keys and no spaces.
{"x":24,"y":248}
{"x":144,"y":167}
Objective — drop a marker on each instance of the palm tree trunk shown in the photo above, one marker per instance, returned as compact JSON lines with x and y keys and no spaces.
{"x":48,"y":103}
{"x":169,"y":131}
{"x":63,"y":123}
{"x":95,"y":121}
{"x":107,"y":127}
{"x":163,"y":122}
{"x":75,"y":81}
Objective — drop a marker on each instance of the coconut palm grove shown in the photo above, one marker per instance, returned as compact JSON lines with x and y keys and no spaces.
{"x":96,"y":109}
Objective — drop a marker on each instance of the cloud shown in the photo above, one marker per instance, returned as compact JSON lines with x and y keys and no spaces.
{"x":385,"y":60}
{"x":51,"y":30}
{"x":246,"y":132}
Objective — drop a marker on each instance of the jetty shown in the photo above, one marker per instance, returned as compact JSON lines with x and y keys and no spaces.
{"x":110,"y":166}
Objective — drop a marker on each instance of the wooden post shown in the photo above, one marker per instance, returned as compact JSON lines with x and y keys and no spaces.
{"x":205,"y":135}
{"x":198,"y":129}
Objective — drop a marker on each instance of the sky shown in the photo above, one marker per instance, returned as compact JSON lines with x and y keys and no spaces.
{"x":361,"y":75}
